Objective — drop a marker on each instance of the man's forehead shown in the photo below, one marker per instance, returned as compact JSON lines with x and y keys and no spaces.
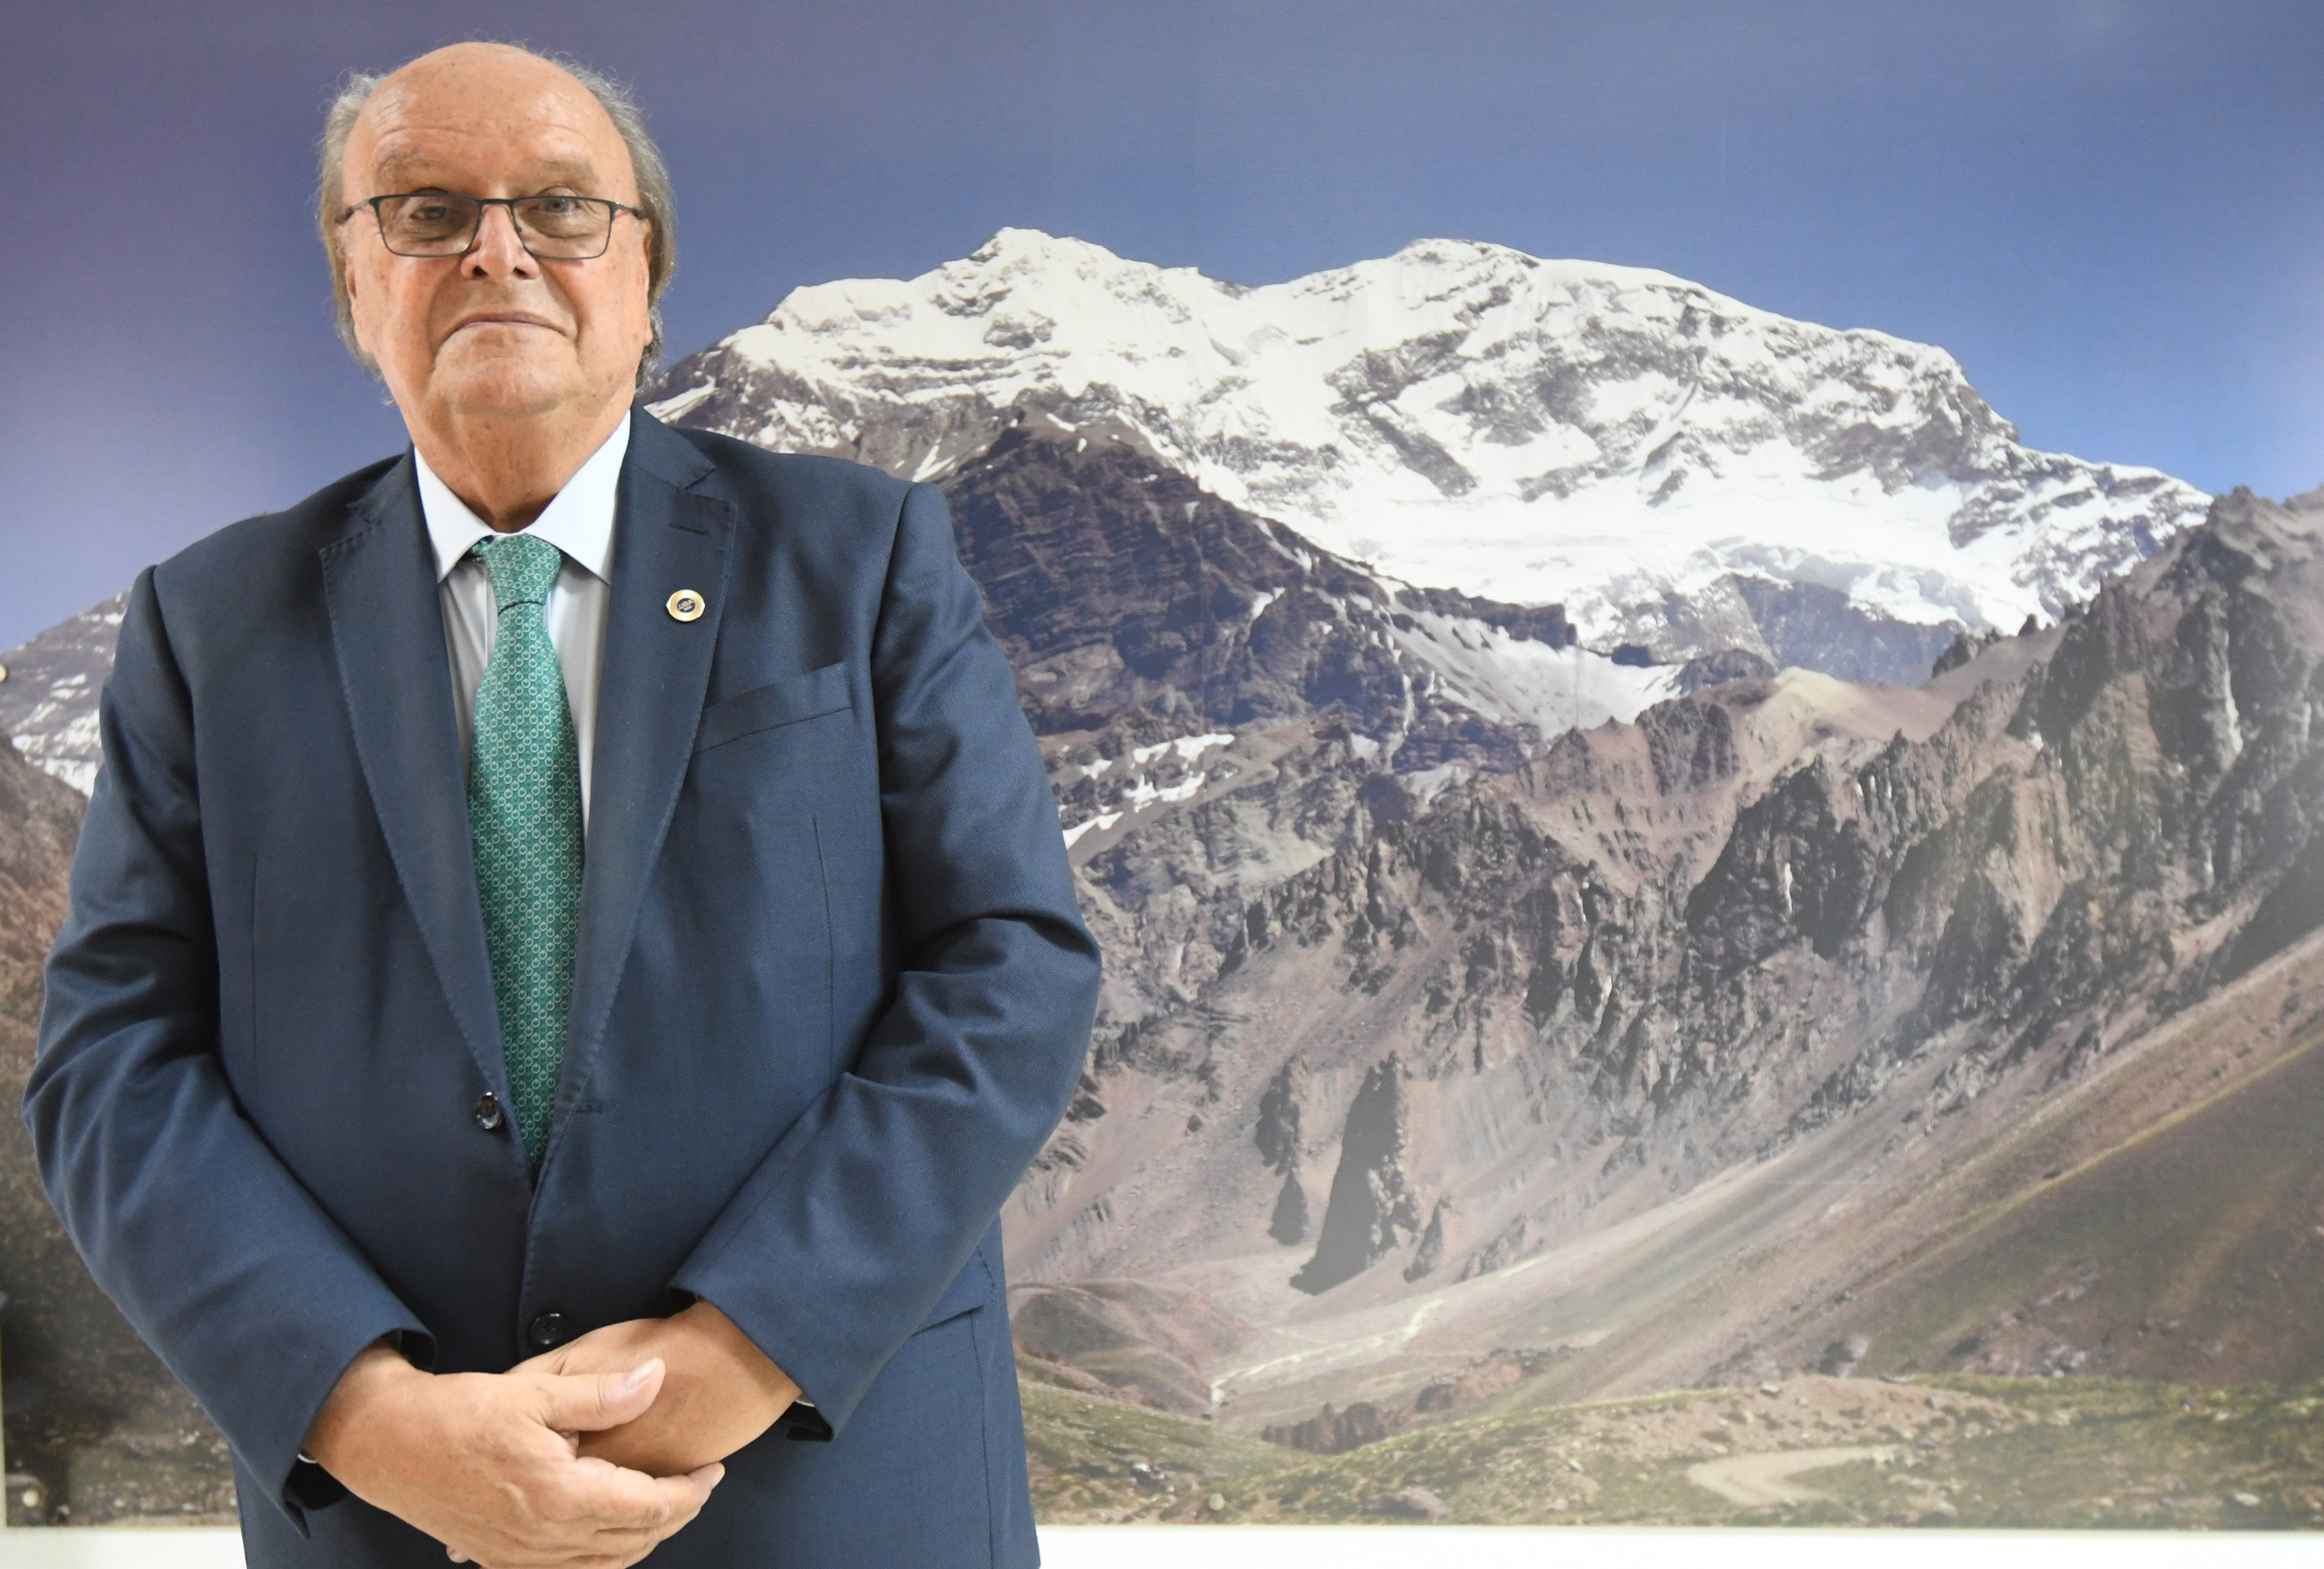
{"x":480,"y":120}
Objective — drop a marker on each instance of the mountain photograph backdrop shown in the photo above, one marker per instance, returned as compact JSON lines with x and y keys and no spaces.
{"x":1694,"y":932}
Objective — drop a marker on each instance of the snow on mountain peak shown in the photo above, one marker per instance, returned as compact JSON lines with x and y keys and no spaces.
{"x":1465,"y":415}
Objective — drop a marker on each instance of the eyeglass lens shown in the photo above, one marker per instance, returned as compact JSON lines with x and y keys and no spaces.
{"x":556,"y":226}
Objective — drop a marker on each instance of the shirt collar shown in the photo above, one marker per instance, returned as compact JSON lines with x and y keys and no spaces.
{"x":578,"y":521}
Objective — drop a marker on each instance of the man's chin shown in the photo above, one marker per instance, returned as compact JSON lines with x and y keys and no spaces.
{"x":503,"y":385}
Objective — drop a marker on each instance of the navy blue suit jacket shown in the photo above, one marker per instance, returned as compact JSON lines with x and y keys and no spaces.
{"x":832,"y":993}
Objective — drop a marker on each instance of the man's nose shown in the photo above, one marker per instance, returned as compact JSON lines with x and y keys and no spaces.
{"x":497,"y":250}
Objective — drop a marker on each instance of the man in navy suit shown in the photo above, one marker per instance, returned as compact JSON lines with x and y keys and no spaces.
{"x":570,"y":947}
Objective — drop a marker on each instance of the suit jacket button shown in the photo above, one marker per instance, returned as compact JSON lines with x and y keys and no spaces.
{"x":487,"y":1112}
{"x":548,"y":1329}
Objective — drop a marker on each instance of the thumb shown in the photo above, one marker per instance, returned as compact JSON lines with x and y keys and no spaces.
{"x":579,"y":1402}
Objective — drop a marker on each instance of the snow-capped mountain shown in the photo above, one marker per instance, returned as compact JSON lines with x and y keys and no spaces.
{"x":48,"y":698}
{"x":1673,"y":466}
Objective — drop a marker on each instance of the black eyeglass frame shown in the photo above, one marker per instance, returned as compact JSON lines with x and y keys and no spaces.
{"x":477,"y":228}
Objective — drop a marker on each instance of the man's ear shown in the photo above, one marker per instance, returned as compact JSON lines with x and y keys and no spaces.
{"x":645,"y":252}
{"x":354,"y":315}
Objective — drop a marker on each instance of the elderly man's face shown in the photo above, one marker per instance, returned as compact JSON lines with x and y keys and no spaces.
{"x":495,"y":332}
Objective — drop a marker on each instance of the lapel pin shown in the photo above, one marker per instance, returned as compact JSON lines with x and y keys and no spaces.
{"x":685,"y":604}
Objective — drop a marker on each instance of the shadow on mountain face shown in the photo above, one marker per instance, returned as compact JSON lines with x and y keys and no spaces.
{"x":1116,"y":586}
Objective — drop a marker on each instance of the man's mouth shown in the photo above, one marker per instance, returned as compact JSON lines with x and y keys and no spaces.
{"x":504,"y":318}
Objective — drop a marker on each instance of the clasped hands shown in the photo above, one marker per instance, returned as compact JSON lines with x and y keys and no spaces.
{"x":585,"y":1457}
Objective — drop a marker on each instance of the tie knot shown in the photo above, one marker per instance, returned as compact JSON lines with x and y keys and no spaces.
{"x":520,"y":566}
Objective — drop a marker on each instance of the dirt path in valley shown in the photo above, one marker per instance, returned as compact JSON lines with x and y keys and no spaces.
{"x":1756,"y":1480}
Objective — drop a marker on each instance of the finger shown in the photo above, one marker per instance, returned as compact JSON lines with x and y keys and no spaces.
{"x":626,"y":1539}
{"x":615,"y":1497}
{"x":547,"y":1362}
{"x":589,"y":1401}
{"x":689,"y":1491}
{"x":685,"y":1493}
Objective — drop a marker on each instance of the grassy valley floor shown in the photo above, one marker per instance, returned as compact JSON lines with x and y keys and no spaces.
{"x":1947,"y":1450}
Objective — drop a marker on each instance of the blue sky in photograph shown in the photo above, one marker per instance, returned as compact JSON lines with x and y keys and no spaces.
{"x":2112,"y":212}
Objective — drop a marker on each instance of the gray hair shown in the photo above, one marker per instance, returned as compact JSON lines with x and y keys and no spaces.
{"x":645,"y":162}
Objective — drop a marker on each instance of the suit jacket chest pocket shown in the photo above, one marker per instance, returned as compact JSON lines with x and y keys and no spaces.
{"x":750,"y":844}
{"x":772,"y":762}
{"x":791,"y":700}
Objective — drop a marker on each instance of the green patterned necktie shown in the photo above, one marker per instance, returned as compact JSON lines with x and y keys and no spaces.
{"x":524,"y":815}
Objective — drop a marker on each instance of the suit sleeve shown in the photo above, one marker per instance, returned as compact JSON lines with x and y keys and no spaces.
{"x":220,"y":1258}
{"x":839,"y":1243}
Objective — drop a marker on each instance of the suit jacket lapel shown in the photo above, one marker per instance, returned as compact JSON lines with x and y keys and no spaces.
{"x":655,"y":673}
{"x":387,"y":634}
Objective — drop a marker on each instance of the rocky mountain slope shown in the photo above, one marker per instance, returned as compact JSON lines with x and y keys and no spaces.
{"x":95,"y":1421}
{"x":1647,"y":1011}
{"x":1677,"y":468}
{"x":48,"y":703}
{"x":1117,"y":585}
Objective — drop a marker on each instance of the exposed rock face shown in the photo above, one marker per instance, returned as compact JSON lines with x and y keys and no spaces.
{"x":74,"y":1367}
{"x":48,"y":704}
{"x":1508,"y":1244}
{"x":1726,"y":665}
{"x":40,"y":820}
{"x":1278,"y":1133}
{"x":1774,"y":909}
{"x":1962,"y":649}
{"x":1225,"y":692}
{"x":1841,"y":1357}
{"x":1116,"y":586}
{"x":1372,"y":1211}
{"x":1431,"y":1250}
{"x":1820,"y":628}
{"x":1152,"y":1344}
{"x":1335,"y":1432}
{"x":2060,"y":855}
{"x":1288,"y":1224}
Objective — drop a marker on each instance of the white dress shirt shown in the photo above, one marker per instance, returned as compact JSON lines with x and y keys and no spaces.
{"x":579,"y":521}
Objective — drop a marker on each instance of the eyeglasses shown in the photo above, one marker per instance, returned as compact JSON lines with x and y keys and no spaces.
{"x":434,"y":223}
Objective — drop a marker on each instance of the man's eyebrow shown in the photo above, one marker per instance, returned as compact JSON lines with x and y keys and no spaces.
{"x":394,"y":169}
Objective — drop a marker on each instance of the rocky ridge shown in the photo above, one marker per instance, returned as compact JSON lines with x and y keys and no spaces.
{"x":1765,"y":914}
{"x":48,"y":703}
{"x":1677,"y":468}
